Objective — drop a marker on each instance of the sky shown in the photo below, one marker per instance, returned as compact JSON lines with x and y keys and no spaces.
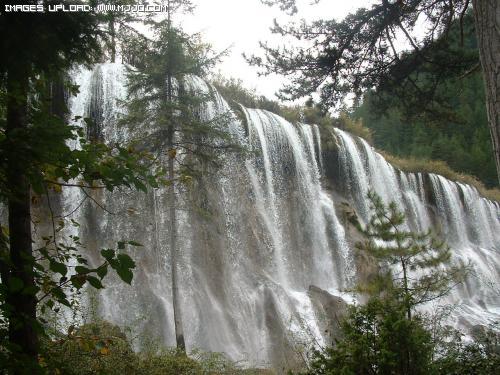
{"x":241,"y":24}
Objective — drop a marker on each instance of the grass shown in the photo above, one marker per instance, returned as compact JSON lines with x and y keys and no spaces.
{"x":443,"y":169}
{"x":356,"y":127}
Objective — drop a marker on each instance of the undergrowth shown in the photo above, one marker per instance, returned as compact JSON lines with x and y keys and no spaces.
{"x":103,"y":348}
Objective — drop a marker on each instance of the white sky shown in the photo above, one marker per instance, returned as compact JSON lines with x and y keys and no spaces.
{"x":241,"y":24}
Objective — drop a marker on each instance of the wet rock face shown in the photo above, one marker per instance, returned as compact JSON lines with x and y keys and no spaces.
{"x":329,"y":310}
{"x":265,"y":249}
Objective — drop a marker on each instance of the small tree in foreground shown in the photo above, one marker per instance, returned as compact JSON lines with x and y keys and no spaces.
{"x":413,"y":267}
{"x":386,"y":335}
{"x":377,"y":338}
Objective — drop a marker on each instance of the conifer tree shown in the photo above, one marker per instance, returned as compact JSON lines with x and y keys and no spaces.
{"x":114,"y":22}
{"x":386,"y":335}
{"x":159,"y":97}
{"x":414,"y":267}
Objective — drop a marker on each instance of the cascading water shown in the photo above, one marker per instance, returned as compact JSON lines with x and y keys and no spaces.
{"x":259,"y":271}
{"x":469,"y":223}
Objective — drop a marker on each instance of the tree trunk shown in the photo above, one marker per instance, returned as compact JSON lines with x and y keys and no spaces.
{"x":179,"y":331}
{"x":487,"y":19}
{"x":112,"y":32}
{"x":22,"y":320}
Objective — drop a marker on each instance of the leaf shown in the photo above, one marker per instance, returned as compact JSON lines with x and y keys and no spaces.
{"x":125,"y":261}
{"x":82,"y":270}
{"x":140,"y":186}
{"x":102,"y":271}
{"x":95,"y":282}
{"x":58,"y":267}
{"x":60,"y":296}
{"x":108,"y":253}
{"x":125,"y":274}
{"x":78,"y":281}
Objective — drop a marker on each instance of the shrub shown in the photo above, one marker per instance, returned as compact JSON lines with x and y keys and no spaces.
{"x":441,"y":168}
{"x":377,"y":339}
{"x":168,"y":362}
{"x":102,"y":348}
{"x":95,"y":348}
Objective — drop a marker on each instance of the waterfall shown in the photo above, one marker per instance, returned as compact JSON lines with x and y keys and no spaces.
{"x":272,"y":236}
{"x":469,"y":223}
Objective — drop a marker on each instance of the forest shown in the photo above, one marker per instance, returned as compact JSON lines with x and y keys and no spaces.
{"x":158,"y":216}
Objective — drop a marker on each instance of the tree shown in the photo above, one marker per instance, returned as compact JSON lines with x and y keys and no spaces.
{"x":35,"y":160}
{"x":412,"y":265}
{"x":51,"y":48}
{"x":180,"y":136}
{"x":377,"y":338}
{"x":361,"y":52}
{"x":486,"y":14}
{"x":387,"y":335}
{"x":115,"y":21}
{"x":480,"y":356}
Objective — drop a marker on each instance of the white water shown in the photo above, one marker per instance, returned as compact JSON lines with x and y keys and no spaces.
{"x":272,"y":231}
{"x":469,"y":223}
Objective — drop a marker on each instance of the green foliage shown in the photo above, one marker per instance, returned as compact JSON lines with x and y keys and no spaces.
{"x":356,"y":127}
{"x":410,"y":263}
{"x":461,"y":139}
{"x":61,"y":40}
{"x":454,"y":128}
{"x":386,"y":335}
{"x":234,"y":91}
{"x":481,"y":356}
{"x":160,"y":98}
{"x":103,"y":348}
{"x":95,"y":348}
{"x":37,"y":163}
{"x":168,"y":362}
{"x":377,"y":338}
{"x":362,"y":51}
{"x":51,"y":165}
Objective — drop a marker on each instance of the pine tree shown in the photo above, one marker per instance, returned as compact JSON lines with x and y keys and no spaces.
{"x":414,"y":267}
{"x":386,"y":335}
{"x":360,"y":52}
{"x":114,"y":22}
{"x":160,"y":99}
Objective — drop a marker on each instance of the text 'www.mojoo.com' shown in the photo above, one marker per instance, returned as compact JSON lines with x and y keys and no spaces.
{"x":40,"y":8}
